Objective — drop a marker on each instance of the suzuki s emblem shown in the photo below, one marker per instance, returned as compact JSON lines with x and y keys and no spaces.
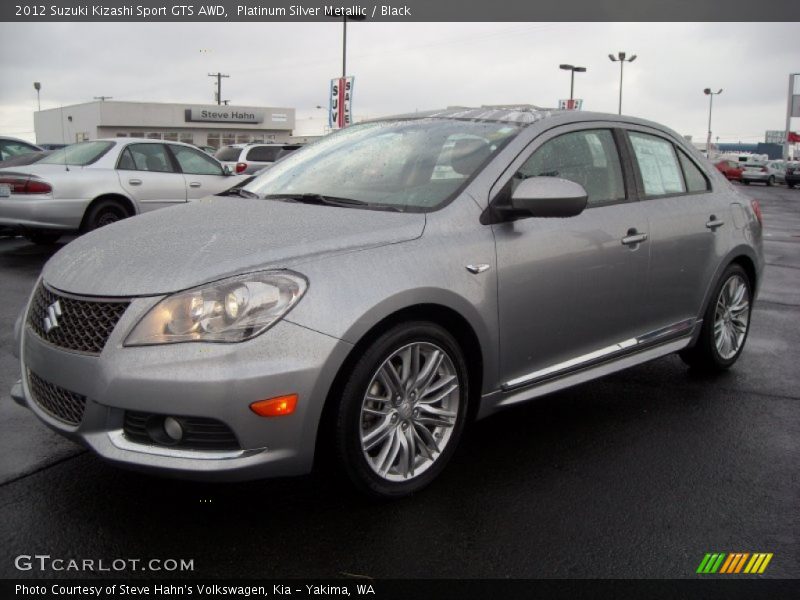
{"x":51,"y":320}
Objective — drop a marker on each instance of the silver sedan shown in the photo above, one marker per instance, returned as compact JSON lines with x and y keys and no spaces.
{"x":87,"y":185}
{"x":367,"y":296}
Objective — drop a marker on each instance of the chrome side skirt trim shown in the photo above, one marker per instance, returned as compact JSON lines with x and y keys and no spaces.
{"x":117,"y":437}
{"x":675,"y":330}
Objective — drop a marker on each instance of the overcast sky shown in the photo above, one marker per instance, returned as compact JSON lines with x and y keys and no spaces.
{"x":401,"y":67}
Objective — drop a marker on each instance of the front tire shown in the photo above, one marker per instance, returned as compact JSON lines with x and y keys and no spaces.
{"x":403,"y":410}
{"x":771,"y":181}
{"x":726,"y":324}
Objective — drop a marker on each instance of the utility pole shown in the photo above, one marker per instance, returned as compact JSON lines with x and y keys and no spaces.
{"x":219,"y":77}
{"x":38,"y":87}
{"x":103,"y":98}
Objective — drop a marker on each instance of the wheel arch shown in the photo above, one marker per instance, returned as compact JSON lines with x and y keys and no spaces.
{"x":445,"y":316}
{"x":123,"y":201}
{"x":743,"y":256}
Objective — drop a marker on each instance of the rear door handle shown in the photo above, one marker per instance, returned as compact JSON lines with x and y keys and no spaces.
{"x":633,"y":238}
{"x":713,"y":222}
{"x":135,"y":181}
{"x":194,"y":184}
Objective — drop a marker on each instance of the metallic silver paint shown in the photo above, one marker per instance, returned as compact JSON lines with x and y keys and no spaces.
{"x":556,"y":289}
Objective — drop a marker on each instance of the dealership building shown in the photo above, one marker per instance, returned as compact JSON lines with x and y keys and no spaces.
{"x":200,"y":124}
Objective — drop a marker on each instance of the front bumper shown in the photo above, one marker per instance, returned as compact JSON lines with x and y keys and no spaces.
{"x":41,"y":212}
{"x":217,"y":381}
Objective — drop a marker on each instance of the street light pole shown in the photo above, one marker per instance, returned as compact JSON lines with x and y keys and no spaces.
{"x":710,"y":95}
{"x":622,"y":60}
{"x":572,"y":70}
{"x":789,"y":115}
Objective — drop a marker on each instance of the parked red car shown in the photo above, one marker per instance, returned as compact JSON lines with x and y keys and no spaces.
{"x":731,"y":169}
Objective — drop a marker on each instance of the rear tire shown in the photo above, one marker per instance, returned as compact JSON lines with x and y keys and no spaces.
{"x":771,"y":181}
{"x":104,"y":213}
{"x":726,"y":324}
{"x":398,"y":424}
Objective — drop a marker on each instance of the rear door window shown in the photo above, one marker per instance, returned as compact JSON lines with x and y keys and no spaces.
{"x":658,"y":165}
{"x":148,"y":157}
{"x":263,"y":153}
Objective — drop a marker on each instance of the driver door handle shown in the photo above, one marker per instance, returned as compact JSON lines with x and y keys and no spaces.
{"x":713,"y":222}
{"x":135,"y":181}
{"x":194,"y":184}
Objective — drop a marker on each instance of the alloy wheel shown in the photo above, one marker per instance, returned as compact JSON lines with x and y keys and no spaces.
{"x":409,"y":411}
{"x":731,"y":317}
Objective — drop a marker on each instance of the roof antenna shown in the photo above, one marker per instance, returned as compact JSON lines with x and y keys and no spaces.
{"x":63,"y":137}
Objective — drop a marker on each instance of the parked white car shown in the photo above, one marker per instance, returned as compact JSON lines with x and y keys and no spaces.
{"x":87,"y":185}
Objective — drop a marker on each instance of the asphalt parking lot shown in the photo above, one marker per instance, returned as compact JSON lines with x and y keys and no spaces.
{"x":636,"y":475}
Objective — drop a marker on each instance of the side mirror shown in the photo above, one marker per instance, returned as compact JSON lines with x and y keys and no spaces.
{"x":549,"y":197}
{"x":227,"y":170}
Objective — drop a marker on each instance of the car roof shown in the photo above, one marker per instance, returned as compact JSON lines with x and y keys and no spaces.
{"x":123,"y":140}
{"x":521,"y":115}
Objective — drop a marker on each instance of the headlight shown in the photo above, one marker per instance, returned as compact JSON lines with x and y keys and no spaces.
{"x":231,"y":310}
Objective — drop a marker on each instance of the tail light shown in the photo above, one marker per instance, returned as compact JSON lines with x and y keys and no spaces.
{"x":26,"y":185}
{"x":757,"y":210}
{"x":764,"y":169}
{"x":241,"y":167}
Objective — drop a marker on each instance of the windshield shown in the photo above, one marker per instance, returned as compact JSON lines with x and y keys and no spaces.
{"x":413,"y":165}
{"x":82,"y":154}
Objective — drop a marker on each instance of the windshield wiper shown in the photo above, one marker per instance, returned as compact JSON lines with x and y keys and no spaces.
{"x":321,"y":199}
{"x":237,"y":191}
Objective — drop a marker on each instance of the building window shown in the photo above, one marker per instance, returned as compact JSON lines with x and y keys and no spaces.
{"x":228,"y":139}
{"x":213,"y":140}
{"x":243,"y":138}
{"x":258,"y":139}
{"x":154,"y":135}
{"x":121,"y":134}
{"x":187,"y":138}
{"x":171,"y":136}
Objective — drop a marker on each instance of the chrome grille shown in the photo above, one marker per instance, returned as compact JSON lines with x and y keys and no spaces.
{"x":57,"y":402}
{"x":82,"y":325}
{"x":199,"y":433}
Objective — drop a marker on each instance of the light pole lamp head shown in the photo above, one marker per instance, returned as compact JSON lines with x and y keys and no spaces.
{"x":580,"y":69}
{"x":632,"y":58}
{"x":621,"y":55}
{"x":566,"y":67}
{"x":707,"y":91}
{"x":612,"y":57}
{"x":37,"y":86}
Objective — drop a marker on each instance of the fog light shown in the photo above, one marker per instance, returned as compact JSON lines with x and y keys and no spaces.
{"x":173,"y":429}
{"x":275,"y":407}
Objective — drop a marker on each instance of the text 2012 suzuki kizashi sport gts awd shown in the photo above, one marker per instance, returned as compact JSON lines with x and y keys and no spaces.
{"x":371,"y":293}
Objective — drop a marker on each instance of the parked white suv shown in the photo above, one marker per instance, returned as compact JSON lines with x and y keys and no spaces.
{"x":250,"y":158}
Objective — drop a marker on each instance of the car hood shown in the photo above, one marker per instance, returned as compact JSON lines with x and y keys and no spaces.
{"x":184,"y":246}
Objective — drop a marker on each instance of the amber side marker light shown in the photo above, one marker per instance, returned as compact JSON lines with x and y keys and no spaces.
{"x":275,"y":407}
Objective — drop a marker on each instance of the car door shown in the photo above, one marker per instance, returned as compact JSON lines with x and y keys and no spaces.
{"x":688,"y":227}
{"x":570,"y":290}
{"x":147,"y":173}
{"x":204,"y":175}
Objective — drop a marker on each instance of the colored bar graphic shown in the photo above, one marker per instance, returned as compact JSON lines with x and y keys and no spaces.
{"x":734,"y":562}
